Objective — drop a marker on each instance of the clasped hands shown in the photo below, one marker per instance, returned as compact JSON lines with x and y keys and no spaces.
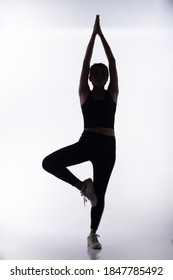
{"x":97,"y":28}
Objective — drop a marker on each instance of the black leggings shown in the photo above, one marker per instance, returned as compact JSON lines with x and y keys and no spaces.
{"x":97,"y":148}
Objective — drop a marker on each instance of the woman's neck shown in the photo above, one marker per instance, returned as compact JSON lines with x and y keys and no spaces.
{"x":98,"y":93}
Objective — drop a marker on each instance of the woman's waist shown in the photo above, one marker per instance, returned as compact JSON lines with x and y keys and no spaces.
{"x":101,"y":130}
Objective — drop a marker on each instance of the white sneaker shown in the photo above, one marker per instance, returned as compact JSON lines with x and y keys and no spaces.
{"x":87,"y":191}
{"x":93,"y":241}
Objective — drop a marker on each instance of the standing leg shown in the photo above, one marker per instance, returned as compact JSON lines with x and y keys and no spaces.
{"x":102,"y":173}
{"x":103,"y":164}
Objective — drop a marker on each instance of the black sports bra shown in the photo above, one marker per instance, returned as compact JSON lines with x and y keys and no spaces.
{"x":99,"y":113}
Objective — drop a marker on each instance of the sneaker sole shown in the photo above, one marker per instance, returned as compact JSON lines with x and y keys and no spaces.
{"x":96,"y":246}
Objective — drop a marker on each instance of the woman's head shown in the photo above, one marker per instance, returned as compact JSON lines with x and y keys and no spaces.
{"x":98,"y":74}
{"x":97,"y":66}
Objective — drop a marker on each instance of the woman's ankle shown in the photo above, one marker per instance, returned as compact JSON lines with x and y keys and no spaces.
{"x":93,"y":231}
{"x":79,"y":185}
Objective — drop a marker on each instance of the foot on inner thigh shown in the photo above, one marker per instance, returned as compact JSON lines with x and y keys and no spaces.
{"x":87,"y":191}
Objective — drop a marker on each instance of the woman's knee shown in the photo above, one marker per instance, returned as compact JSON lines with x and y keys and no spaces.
{"x":45,"y":164}
{"x":48,"y":164}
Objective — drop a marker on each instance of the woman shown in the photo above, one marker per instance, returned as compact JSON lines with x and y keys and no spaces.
{"x":97,"y":143}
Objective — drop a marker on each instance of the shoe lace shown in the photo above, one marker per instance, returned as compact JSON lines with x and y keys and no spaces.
{"x":84,"y":198}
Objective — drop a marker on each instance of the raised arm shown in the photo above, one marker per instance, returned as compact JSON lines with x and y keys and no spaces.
{"x":113,"y":85}
{"x":83,"y":85}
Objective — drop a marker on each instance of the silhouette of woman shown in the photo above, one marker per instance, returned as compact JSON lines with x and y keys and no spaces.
{"x":97,"y":142}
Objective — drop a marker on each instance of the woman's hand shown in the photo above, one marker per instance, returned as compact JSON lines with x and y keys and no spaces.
{"x":97,"y":28}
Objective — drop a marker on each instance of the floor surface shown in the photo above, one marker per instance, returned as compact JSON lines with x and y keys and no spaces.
{"x":123,"y":243}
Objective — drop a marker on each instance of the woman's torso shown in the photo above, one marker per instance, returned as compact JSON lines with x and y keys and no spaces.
{"x":99,"y":113}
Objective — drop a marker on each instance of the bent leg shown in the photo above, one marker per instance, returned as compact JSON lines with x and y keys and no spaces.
{"x":57,"y":162}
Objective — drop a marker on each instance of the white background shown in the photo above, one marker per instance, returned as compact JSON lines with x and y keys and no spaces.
{"x":42,"y":45}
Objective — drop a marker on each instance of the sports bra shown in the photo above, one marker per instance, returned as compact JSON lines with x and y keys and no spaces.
{"x":99,"y":113}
